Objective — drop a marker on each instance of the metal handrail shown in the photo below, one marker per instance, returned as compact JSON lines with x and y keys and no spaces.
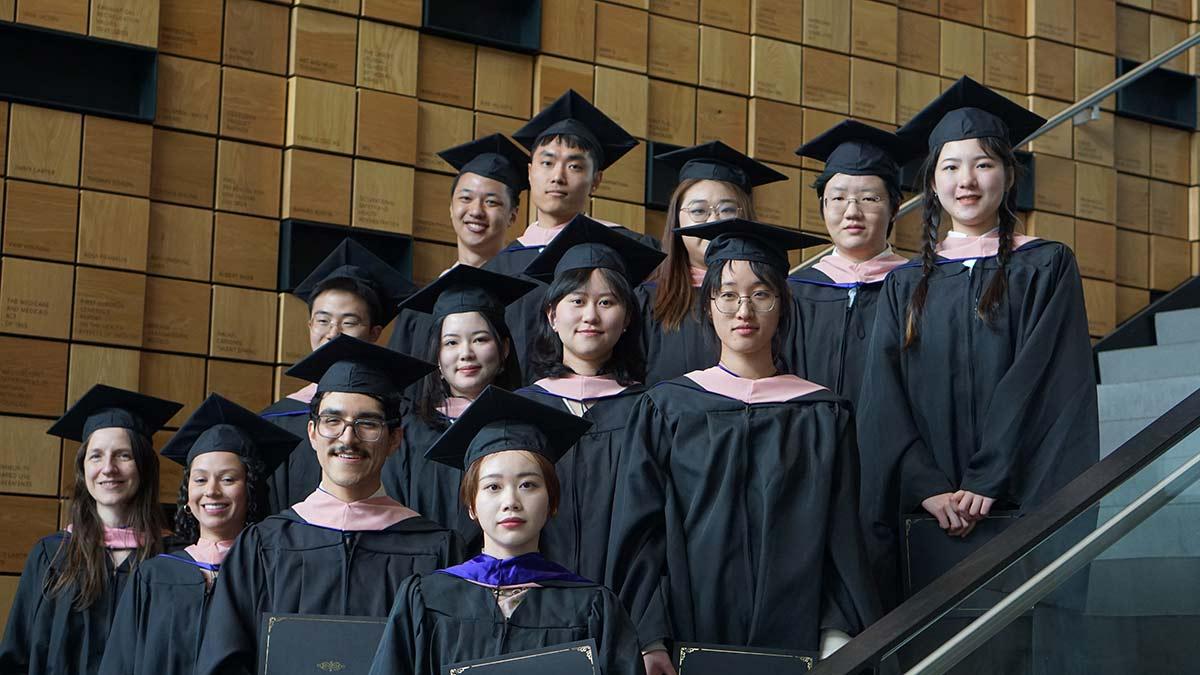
{"x":1087,"y":103}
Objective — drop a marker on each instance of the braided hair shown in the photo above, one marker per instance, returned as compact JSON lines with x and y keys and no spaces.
{"x":997,"y":289}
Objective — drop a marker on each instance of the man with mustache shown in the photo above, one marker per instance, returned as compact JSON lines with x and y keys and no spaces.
{"x":345,"y":549}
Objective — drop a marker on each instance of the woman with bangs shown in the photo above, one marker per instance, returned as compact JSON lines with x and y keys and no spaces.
{"x":472,"y":347}
{"x":981,"y":394}
{"x":510,"y":597}
{"x":737,"y":505}
{"x":227,"y":453}
{"x":62,"y":613}
{"x":588,"y":354}
{"x":715,"y":183}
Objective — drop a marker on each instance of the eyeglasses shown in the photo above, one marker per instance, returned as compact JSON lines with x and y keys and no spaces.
{"x":367,"y":430}
{"x":761,"y":302}
{"x":867,"y":204}
{"x":699,"y":212}
{"x":322,"y":324}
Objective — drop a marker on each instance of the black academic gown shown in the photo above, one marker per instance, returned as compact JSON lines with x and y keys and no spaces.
{"x":737,"y":524}
{"x":1007,"y":410}
{"x":669,"y":354}
{"x":578,"y":535}
{"x":411,"y":335}
{"x":291,"y":484}
{"x":438,"y":620}
{"x":47,"y":635}
{"x":523,"y":316}
{"x":160,"y":619}
{"x":832,"y":331}
{"x":427,"y":487}
{"x":286,"y":565}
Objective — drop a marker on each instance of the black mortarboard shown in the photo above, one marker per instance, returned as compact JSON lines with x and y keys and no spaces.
{"x":858,"y":149}
{"x":468,"y":289}
{"x":497,"y":421}
{"x":220,"y":425}
{"x":740,"y":239}
{"x":103,"y":407}
{"x":587,"y":244}
{"x":716,"y":161}
{"x":349,"y":365}
{"x":493,"y":157}
{"x":573,"y":114}
{"x":970,"y":110}
{"x":352,"y":260}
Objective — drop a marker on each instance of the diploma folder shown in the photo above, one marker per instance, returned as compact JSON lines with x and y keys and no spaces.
{"x":318,"y":643}
{"x":572,"y":658}
{"x":701,"y":659}
{"x":929,"y":553}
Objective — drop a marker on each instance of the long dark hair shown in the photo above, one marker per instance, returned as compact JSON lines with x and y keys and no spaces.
{"x":432,"y":391}
{"x":627,"y":364}
{"x":187,"y":528}
{"x":997,"y":289}
{"x":775,"y":280}
{"x":85,"y":570}
{"x":675,"y":298}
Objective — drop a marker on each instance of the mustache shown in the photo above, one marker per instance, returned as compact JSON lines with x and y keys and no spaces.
{"x":341,"y":448}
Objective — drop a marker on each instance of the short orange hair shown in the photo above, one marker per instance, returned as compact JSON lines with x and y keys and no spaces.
{"x":470,"y":481}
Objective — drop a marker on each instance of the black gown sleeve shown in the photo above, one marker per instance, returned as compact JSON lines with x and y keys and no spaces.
{"x":637,"y":546}
{"x":121,"y":649}
{"x":616,"y":638}
{"x":230,"y":644}
{"x":851,"y":600}
{"x":20,"y":636}
{"x":1044,"y":407}
{"x":402,"y":651}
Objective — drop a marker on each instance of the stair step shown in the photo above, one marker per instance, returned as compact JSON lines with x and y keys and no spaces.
{"x":1141,"y":364}
{"x":1177,"y":327}
{"x":1133,"y":400}
{"x":1171,"y":532}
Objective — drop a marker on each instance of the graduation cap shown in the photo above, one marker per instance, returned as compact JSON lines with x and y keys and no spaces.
{"x":220,"y":425}
{"x":572,"y":114}
{"x":741,"y":239}
{"x":586,"y":244}
{"x":716,"y":161}
{"x":468,"y":289}
{"x":498,"y":421}
{"x":858,"y":149}
{"x":103,"y":407}
{"x":352,"y":260}
{"x":970,"y":110}
{"x":493,"y":157}
{"x":349,"y":365}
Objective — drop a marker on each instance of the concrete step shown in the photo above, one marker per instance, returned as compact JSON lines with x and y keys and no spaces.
{"x":1171,"y":532}
{"x":1134,"y":400}
{"x":1179,"y":326}
{"x":1141,"y":364}
{"x":1113,"y":433}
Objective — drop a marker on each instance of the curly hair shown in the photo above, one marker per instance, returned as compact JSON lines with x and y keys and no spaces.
{"x":187,"y":528}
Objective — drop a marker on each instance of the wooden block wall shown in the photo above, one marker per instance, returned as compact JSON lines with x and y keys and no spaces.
{"x":144,"y":255}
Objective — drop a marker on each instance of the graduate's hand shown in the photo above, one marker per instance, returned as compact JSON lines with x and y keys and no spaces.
{"x":658,"y":662}
{"x":943,"y":508}
{"x":972,"y":506}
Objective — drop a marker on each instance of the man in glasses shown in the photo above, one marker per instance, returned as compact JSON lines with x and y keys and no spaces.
{"x":345,"y":549}
{"x":351,"y":292}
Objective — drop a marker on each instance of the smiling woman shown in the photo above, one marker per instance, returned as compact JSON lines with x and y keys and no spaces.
{"x":60,"y":618}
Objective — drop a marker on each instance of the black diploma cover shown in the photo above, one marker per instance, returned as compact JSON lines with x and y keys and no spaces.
{"x":929,"y":552}
{"x":700,"y":659}
{"x":572,"y":658}
{"x":318,"y":643}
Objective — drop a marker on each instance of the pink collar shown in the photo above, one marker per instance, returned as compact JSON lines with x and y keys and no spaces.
{"x":454,"y":406}
{"x":581,"y":387}
{"x":775,"y":389}
{"x":842,"y":271}
{"x":536,"y":235}
{"x":981,"y":246}
{"x":118,"y":538}
{"x":304,"y":395}
{"x":365,"y":515}
{"x":210,"y":551}
{"x":697,"y":276}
